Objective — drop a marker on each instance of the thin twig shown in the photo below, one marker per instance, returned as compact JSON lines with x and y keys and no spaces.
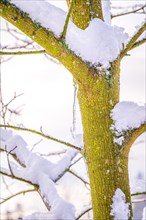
{"x":78,"y":177}
{"x":74,"y":110}
{"x":139,"y":200}
{"x":138,"y":193}
{"x":67,"y":20}
{"x":19,"y":193}
{"x":84,"y":212}
{"x":129,"y":12}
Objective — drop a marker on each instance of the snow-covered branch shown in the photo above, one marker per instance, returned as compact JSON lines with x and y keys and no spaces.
{"x":44,"y":179}
{"x":133,"y":40}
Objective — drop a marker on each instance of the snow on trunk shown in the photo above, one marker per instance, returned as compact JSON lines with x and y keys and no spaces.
{"x":120,"y":209}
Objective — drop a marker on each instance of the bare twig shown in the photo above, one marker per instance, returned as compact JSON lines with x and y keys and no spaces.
{"x":138,"y":193}
{"x":139,"y":200}
{"x":141,"y":8}
{"x":78,"y":177}
{"x":84,"y":212}
{"x":74,"y":110}
{"x":17,"y":194}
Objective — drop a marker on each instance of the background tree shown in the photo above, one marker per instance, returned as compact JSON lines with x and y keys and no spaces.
{"x":108,"y":133}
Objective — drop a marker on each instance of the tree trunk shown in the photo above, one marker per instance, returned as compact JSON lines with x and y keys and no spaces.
{"x":107,"y":166}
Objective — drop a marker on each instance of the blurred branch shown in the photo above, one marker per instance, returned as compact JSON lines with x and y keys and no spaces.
{"x":130,"y":12}
{"x":139,"y":200}
{"x":41,"y":134}
{"x":17,"y":194}
{"x":57,"y":153}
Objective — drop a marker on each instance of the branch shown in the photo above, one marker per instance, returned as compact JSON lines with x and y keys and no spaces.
{"x":138,"y":43}
{"x":43,"y":135}
{"x":133,"y":135}
{"x":132,"y":41}
{"x":129,"y":12}
{"x":17,"y":194}
{"x":21,"y":52}
{"x":139,"y":193}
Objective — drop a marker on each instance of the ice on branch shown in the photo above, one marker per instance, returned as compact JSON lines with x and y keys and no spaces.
{"x":120,"y":209}
{"x":39,"y":171}
{"x":127,"y":116}
{"x":99,"y":44}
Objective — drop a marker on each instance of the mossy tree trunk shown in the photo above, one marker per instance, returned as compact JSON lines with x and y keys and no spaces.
{"x":98,"y":93}
{"x":107,"y":165}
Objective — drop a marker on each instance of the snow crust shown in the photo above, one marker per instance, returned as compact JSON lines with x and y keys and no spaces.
{"x":99,"y":44}
{"x":126,"y":116}
{"x":120,"y":209}
{"x":40,"y":171}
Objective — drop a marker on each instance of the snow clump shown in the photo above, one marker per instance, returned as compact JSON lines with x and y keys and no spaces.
{"x":126,"y":116}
